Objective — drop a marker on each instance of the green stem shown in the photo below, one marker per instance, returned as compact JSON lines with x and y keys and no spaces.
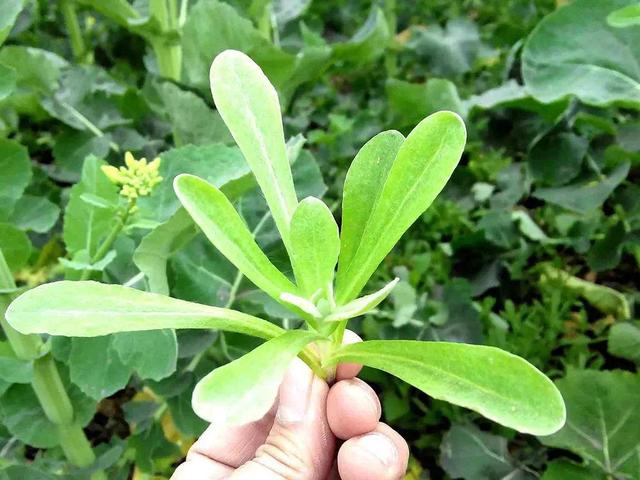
{"x":168,"y":51}
{"x":108,"y":242}
{"x":47,"y":384}
{"x":391,"y":55}
{"x":78,"y":46}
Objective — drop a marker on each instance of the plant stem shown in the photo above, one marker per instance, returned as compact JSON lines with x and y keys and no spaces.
{"x":167,"y":49}
{"x":390,"y":59}
{"x":78,"y":46}
{"x":106,"y":245}
{"x":47,"y":383}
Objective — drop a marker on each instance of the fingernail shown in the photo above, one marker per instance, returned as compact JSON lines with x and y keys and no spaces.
{"x":363,"y":387}
{"x":295,"y":393}
{"x":380,"y":447}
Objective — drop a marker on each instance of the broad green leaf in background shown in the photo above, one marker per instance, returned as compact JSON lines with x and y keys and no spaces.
{"x":8,"y":14}
{"x":501,"y":386}
{"x":213,"y":27}
{"x":71,"y":148}
{"x":85,"y":225}
{"x":38,"y":214}
{"x":249,"y":106}
{"x":88,"y":309}
{"x":603,"y":420}
{"x":584,"y":195}
{"x":151,"y":354}
{"x":411,"y":102}
{"x":422,"y":167}
{"x":315,"y":244}
{"x":556,"y":159}
{"x":224,"y":227}
{"x":96,"y":368}
{"x":15,"y":166}
{"x":448,"y":52}
{"x":7,"y":81}
{"x":625,"y":17}
{"x":362,"y":189}
{"x":154,"y":250}
{"x":588,"y":59}
{"x":15,"y":246}
{"x":22,"y":415}
{"x":469,"y":453}
{"x":561,"y":469}
{"x":36,"y":74}
{"x":14,"y":370}
{"x":217,"y":163}
{"x":192,"y":120}
{"x":368,"y":43}
{"x":244,"y":390}
{"x":624,"y":341}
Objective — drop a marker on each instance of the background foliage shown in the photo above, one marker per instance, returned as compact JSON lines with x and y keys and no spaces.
{"x":533,"y":247}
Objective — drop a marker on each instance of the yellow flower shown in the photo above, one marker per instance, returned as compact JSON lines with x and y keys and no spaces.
{"x":137,"y":178}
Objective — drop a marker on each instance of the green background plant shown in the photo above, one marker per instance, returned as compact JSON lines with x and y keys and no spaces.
{"x":483,"y":265}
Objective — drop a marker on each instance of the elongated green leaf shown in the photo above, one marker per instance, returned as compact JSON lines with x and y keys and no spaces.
{"x":243,"y":391}
{"x":422,"y":167}
{"x":249,"y":106}
{"x":222,"y":225}
{"x":315,"y":245}
{"x":625,"y":17}
{"x":501,"y":386}
{"x":362,"y":305}
{"x":89,"y":309}
{"x":362,"y":188}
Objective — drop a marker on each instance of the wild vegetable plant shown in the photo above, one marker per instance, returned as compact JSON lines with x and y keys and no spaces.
{"x":390,"y":183}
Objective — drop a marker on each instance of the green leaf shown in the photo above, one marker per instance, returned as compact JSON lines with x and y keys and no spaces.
{"x":85,"y":225}
{"x":602,"y":421}
{"x":15,"y":246}
{"x":422,"y":167}
{"x":411,"y":102}
{"x":81,"y":261}
{"x":244,"y":390}
{"x":625,"y":17}
{"x":15,"y":166}
{"x":585,"y":195}
{"x":362,"y":189}
{"x":224,"y":227}
{"x":501,"y":386}
{"x":71,"y":148}
{"x":469,"y":453}
{"x":588,"y":59}
{"x":624,"y":341}
{"x":450,"y":51}
{"x":362,"y":305}
{"x":7,"y":81}
{"x":152,"y":254}
{"x":96,"y":368}
{"x":556,"y":159}
{"x":368,"y":43}
{"x":192,"y":120}
{"x":315,"y":245}
{"x":249,"y":106}
{"x":561,"y":469}
{"x":150,"y":354}
{"x":38,"y":214}
{"x":14,"y":370}
{"x":8,"y":16}
{"x":87,"y":309}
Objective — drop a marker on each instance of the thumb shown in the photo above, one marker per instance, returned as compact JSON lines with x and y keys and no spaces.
{"x":300,"y":445}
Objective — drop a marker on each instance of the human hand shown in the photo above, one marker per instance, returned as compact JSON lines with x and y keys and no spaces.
{"x":298,"y":438}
